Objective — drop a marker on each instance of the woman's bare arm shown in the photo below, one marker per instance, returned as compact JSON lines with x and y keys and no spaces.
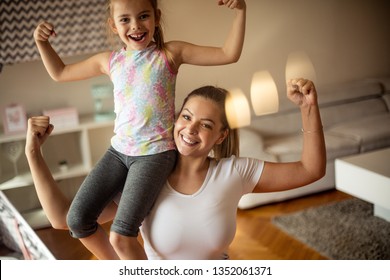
{"x":312,"y":166}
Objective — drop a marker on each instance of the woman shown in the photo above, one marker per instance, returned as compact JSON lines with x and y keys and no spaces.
{"x":194,"y":216}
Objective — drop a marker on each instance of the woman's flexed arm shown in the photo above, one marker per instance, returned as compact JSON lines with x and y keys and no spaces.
{"x":54,"y":202}
{"x":312,"y":165}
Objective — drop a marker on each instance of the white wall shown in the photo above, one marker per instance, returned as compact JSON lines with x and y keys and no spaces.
{"x":345,"y":39}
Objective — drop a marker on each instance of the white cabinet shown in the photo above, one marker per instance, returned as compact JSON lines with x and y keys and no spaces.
{"x":70,"y":153}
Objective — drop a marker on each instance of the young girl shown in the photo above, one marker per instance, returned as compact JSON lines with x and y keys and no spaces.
{"x":142,"y":152}
{"x":209,"y":187}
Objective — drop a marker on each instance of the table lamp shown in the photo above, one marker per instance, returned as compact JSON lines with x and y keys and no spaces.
{"x":264,"y":94}
{"x":237,"y":109}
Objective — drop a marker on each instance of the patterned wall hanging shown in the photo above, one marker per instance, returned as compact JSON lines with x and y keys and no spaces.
{"x":79,"y":24}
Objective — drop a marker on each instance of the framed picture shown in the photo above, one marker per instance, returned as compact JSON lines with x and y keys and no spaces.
{"x":14,"y":119}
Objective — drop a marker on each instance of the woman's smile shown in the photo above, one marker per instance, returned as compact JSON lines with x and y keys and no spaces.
{"x":188,"y":140}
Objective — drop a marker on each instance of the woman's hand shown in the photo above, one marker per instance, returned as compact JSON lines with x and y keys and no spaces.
{"x":43,"y":31}
{"x":39,"y":128}
{"x":302,"y":92}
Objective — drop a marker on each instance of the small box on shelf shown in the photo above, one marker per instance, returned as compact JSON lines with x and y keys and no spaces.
{"x":14,"y":119}
{"x":63,"y":117}
{"x":104,"y":102}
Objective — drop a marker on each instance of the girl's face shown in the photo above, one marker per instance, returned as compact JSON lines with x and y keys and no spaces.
{"x":198,"y":127}
{"x":134,"y":21}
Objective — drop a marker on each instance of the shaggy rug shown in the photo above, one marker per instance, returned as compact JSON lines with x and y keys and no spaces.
{"x":345,"y":230}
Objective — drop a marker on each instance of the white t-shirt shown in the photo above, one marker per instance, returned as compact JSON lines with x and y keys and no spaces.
{"x":201,"y":225}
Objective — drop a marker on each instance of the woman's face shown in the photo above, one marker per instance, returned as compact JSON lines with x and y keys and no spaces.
{"x":198,"y":127}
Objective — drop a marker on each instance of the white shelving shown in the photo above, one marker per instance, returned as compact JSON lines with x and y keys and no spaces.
{"x":25,"y":179}
{"x":80,"y":146}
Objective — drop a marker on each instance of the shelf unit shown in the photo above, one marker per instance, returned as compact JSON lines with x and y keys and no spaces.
{"x":80,"y":146}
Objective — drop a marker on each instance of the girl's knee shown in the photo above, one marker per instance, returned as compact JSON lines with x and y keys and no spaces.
{"x":80,"y":227}
{"x":127,"y":247}
{"x":120,"y":242}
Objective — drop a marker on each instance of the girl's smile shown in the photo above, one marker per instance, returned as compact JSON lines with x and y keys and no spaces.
{"x":137,"y":37}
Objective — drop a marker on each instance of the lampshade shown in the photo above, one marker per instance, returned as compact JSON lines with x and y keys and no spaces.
{"x":299,"y":65}
{"x":264,"y":94}
{"x":237,"y":109}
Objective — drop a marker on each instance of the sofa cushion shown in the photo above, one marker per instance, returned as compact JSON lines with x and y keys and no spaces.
{"x":386,"y":98}
{"x":385,"y":81}
{"x":350,"y":91}
{"x":286,"y":148}
{"x":279,"y":124}
{"x":288,"y":122}
{"x":351,"y":111}
{"x":346,"y":92}
{"x":251,"y":145}
{"x":289,"y":148}
{"x":372,"y":132}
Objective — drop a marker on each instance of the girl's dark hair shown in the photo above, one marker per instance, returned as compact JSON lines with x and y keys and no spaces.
{"x":230,"y":146}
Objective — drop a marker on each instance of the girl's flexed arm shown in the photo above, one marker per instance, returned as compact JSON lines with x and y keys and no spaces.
{"x":230,"y":52}
{"x":235,"y":40}
{"x":57,"y":69}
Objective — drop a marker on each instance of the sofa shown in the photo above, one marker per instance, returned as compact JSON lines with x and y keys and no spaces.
{"x":355,"y":117}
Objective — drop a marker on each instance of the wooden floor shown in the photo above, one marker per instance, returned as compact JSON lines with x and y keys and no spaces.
{"x":256,"y":237}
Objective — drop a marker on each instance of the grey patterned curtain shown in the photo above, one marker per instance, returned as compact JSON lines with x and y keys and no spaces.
{"x":79,"y":24}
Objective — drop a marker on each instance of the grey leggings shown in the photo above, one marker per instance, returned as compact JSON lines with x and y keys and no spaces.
{"x":140,"y":180}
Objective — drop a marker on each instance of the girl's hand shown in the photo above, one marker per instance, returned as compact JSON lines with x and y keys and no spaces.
{"x":302,"y":92}
{"x":232,"y":4}
{"x":43,"y":31}
{"x":39,"y":128}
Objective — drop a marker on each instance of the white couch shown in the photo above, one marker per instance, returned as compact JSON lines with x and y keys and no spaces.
{"x":356,"y":119}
